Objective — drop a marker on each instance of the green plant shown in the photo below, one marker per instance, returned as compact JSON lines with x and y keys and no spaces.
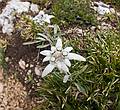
{"x":3,"y":45}
{"x":103,"y":49}
{"x":28,"y":28}
{"x":73,"y":12}
{"x":45,"y":36}
{"x":94,"y":85}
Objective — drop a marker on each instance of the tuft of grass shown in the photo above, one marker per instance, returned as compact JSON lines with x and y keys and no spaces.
{"x":28,"y":28}
{"x":73,"y":12}
{"x":3,"y":46}
{"x":103,"y":49}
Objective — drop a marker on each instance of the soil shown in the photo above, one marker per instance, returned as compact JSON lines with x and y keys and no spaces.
{"x":19,"y":84}
{"x":25,"y":78}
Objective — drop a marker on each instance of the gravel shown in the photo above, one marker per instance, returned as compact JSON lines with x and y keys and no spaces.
{"x":13,"y":95}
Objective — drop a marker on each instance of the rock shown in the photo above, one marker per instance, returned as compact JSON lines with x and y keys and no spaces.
{"x":27,"y":65}
{"x":31,"y":65}
{"x":7,"y":59}
{"x":93,"y":28}
{"x":22,"y":64}
{"x":99,"y":18}
{"x":118,"y":14}
{"x":37,"y":70}
{"x":1,"y":87}
{"x":1,"y":74}
{"x":29,"y":72}
{"x":34,"y":8}
{"x":112,"y":10}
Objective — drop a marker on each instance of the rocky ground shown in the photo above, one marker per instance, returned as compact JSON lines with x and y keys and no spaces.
{"x":16,"y":84}
{"x":13,"y":95}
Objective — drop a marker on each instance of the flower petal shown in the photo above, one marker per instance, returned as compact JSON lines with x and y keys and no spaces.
{"x":46,"y":52}
{"x":59,"y":44}
{"x":47,"y":18}
{"x":53,"y":49}
{"x":48,"y":69}
{"x":67,"y":62}
{"x":73,"y":56}
{"x":66,"y":77}
{"x":68,"y":49}
{"x":46,"y":59}
{"x":62,"y":67}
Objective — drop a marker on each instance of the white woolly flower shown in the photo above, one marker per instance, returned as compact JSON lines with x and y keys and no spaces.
{"x":60,"y":58}
{"x":34,"y":8}
{"x":41,"y":18}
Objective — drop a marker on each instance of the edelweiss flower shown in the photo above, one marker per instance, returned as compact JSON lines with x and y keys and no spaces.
{"x":60,"y":58}
{"x":34,"y":8}
{"x":41,"y":18}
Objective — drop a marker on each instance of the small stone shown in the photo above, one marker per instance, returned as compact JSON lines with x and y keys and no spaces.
{"x":104,"y":24}
{"x":112,"y":10}
{"x":7,"y":59}
{"x":1,"y":87}
{"x":93,"y":28}
{"x":80,"y":31}
{"x":99,"y":18}
{"x":25,"y":78}
{"x":27,"y":65}
{"x":29,"y":72}
{"x":99,"y":27}
{"x":38,"y":84}
{"x":118,"y":14}
{"x":22,"y":64}
{"x":1,"y":73}
{"x":37,"y":70}
{"x":31,"y":65}
{"x":34,"y":8}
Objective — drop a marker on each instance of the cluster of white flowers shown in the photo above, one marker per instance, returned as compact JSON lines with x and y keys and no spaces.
{"x":16,"y":6}
{"x":41,"y":18}
{"x":60,"y":58}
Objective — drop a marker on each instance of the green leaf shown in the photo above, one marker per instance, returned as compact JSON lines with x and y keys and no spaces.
{"x":43,"y":46}
{"x":80,"y":88}
{"x":30,"y":43}
{"x":118,"y":106}
{"x":80,"y":71}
